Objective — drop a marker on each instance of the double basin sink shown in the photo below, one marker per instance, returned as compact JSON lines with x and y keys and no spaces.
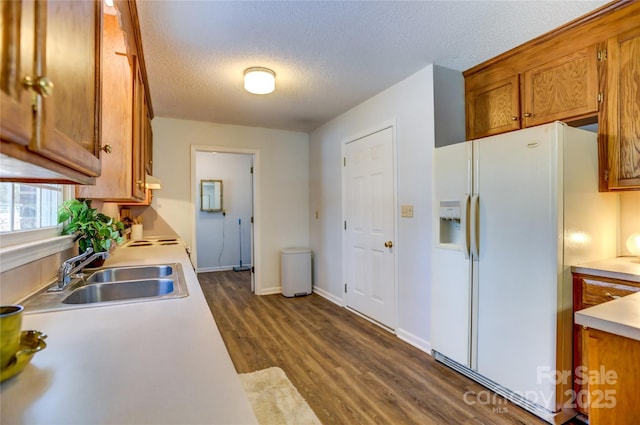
{"x":112,"y":285}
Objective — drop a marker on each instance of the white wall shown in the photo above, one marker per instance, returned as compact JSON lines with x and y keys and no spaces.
{"x":282,"y":179}
{"x":629,"y":218}
{"x":218,"y":233}
{"x":410,"y":104}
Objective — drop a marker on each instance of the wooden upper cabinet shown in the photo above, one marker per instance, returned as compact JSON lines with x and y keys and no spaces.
{"x":148,"y":141}
{"x":127,"y":112}
{"x":493,"y":108}
{"x":17,"y":62}
{"x":69,"y":119}
{"x":51,"y":89}
{"x":622,"y":115}
{"x":117,"y":127}
{"x":122,"y":177}
{"x":139,"y":131}
{"x":584,"y":72}
{"x":566,"y":87}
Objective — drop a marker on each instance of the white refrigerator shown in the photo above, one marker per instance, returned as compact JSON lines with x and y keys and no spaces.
{"x":512,"y":213}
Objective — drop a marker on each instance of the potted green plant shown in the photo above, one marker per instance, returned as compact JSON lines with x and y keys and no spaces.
{"x":93,"y":229}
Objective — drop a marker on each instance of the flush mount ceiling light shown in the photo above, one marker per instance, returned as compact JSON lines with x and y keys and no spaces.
{"x":259,"y":80}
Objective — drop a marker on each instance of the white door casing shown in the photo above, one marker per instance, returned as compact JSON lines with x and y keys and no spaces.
{"x":256,"y":233}
{"x":369,"y":221}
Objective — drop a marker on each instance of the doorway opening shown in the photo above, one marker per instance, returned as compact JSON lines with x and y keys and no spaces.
{"x":223,"y":199}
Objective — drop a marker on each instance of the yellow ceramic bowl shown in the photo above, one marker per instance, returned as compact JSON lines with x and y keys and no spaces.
{"x":10,"y":330}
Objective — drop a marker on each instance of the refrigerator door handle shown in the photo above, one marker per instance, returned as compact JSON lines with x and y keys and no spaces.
{"x":474,"y":225}
{"x":464,"y":225}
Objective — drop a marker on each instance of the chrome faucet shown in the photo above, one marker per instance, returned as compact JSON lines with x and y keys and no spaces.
{"x":68,"y":268}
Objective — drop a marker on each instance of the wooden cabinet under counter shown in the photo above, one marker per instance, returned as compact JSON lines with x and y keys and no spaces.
{"x":589,"y":291}
{"x":614,"y":371}
{"x":50,"y":91}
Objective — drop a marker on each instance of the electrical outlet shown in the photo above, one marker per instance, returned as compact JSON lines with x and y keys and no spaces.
{"x":406,"y":211}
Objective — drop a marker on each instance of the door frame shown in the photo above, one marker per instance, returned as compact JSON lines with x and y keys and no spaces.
{"x":364,"y":133}
{"x":256,"y":234}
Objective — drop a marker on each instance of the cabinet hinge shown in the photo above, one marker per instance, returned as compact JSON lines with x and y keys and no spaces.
{"x":600,"y":97}
{"x":253,"y":269}
{"x":252,"y":220}
{"x":345,"y":288}
{"x":251,"y":170}
{"x":34,"y":102}
{"x":602,"y":55}
{"x":344,"y":161}
{"x":345,"y":225}
{"x":606,"y":175}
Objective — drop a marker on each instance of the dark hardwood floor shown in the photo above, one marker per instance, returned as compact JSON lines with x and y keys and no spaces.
{"x":349,"y":370}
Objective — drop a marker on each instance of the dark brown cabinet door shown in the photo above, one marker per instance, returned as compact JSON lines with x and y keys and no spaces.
{"x":493,"y":108}
{"x":621,"y":123}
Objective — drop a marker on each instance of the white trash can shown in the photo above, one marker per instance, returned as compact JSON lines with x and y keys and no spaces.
{"x":295,"y":272}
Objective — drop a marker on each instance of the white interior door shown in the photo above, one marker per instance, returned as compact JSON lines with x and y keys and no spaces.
{"x":369,"y":227}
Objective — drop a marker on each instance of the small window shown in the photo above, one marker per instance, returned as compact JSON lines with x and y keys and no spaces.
{"x":29,"y":229}
{"x":29,"y":206}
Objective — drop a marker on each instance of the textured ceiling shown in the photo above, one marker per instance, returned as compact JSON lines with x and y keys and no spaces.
{"x":329,"y":56}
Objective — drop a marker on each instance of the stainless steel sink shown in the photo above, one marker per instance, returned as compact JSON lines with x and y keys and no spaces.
{"x":117,"y":274}
{"x":117,"y":291}
{"x":113,"y":285}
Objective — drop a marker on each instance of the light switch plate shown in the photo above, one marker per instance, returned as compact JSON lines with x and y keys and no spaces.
{"x":406,"y":211}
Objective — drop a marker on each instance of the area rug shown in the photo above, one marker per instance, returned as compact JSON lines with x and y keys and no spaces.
{"x":275,"y":400}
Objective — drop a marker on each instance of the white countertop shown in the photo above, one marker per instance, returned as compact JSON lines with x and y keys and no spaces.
{"x":620,"y":316}
{"x":152,"y":362}
{"x":624,"y":268}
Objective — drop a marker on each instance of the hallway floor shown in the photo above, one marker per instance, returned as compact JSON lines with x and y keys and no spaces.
{"x":349,"y":370}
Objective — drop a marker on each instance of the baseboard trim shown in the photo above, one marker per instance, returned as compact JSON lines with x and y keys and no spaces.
{"x":271,"y":291}
{"x":214,"y":269}
{"x":414,"y":340}
{"x":329,"y":296}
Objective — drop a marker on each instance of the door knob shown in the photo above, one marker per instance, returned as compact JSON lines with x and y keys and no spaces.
{"x":41,"y":85}
{"x":388,"y":244}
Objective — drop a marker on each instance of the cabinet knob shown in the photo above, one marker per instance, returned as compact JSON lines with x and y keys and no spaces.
{"x":527,"y":114}
{"x":388,"y":244}
{"x":42,"y":85}
{"x":514,"y":118}
{"x":106,"y":148}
